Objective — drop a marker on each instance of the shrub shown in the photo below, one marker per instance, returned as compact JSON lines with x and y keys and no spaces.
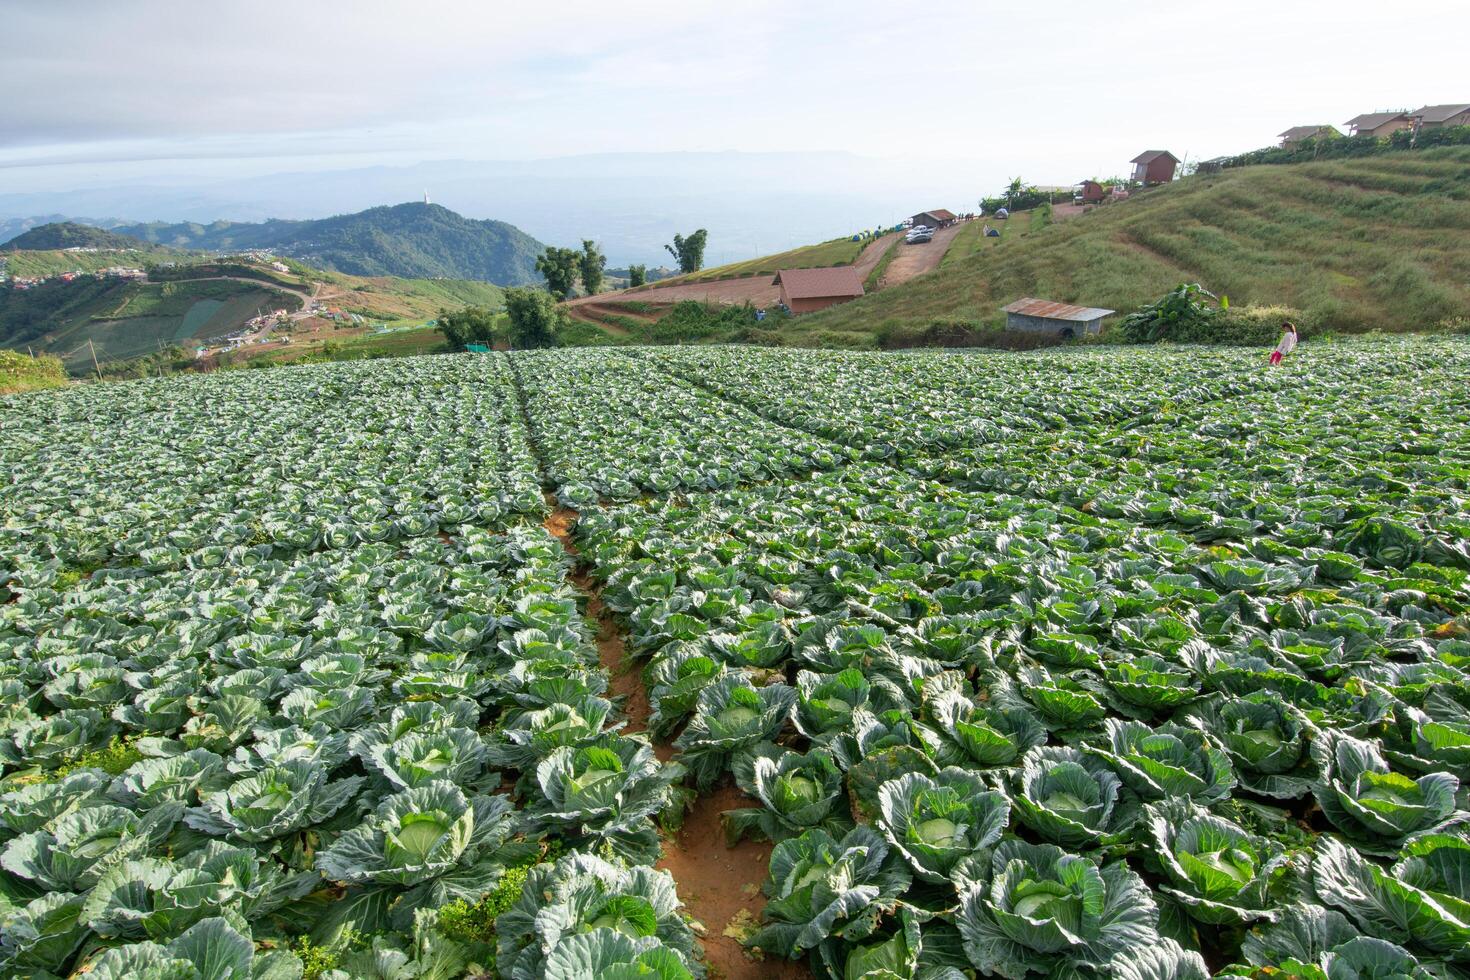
{"x":21,"y":372}
{"x":1185,"y":313}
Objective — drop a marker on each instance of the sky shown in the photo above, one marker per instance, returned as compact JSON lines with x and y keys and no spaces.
{"x":103,"y":92}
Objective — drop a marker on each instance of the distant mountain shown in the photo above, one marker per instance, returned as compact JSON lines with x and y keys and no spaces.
{"x":69,"y":234}
{"x":413,"y":241}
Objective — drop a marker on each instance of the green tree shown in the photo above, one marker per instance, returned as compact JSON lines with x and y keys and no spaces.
{"x":559,"y":267}
{"x":689,"y":252}
{"x":471,"y":325}
{"x":535,"y":319}
{"x":591,"y":263}
{"x":637,"y":275}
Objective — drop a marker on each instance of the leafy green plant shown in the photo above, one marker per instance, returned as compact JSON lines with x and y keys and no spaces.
{"x":1185,"y":310}
{"x":825,"y":891}
{"x":1036,"y":909}
{"x":942,"y":824}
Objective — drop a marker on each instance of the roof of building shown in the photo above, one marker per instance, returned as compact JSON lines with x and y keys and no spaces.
{"x":1372,"y":120}
{"x":1149,"y":156}
{"x":841,"y":280}
{"x":1049,"y":310}
{"x":1302,"y":132}
{"x":1439,"y":113}
{"x":943,"y":214}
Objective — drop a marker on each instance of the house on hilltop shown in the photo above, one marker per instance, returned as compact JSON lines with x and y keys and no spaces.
{"x":938,"y":218}
{"x":1297,"y":135}
{"x":805,"y":290}
{"x":1440,"y":116}
{"x":1091,"y":192}
{"x":1379,"y":124}
{"x":1154,"y":167}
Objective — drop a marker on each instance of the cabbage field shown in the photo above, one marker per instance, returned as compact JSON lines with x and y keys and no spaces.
{"x":1119,"y":663}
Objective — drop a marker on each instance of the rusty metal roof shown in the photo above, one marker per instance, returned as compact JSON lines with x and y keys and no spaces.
{"x":841,"y":280}
{"x":1149,"y":156}
{"x":1049,"y":310}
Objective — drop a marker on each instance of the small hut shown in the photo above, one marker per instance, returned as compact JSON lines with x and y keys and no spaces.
{"x":1059,"y":319}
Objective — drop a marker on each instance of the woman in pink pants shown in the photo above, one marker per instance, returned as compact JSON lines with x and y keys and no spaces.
{"x":1286,"y":344}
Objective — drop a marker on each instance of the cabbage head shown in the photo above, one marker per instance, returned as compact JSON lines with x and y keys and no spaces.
{"x":1266,"y":740}
{"x":1316,"y":943}
{"x":581,"y":894}
{"x":797,"y":792}
{"x":941,"y":824}
{"x":607,"y":791}
{"x":824,"y":889}
{"x":1215,"y":869}
{"x":1422,"y":902}
{"x":272,"y":803}
{"x":1038,"y":909}
{"x":1371,"y":804}
{"x":1167,"y":761}
{"x":431,"y":841}
{"x":1071,"y":798}
{"x":81,"y":846}
{"x":732,"y":717}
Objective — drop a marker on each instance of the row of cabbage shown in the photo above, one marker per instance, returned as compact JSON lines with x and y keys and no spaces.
{"x":610,"y":427}
{"x":991,"y":733}
{"x":151,"y":472}
{"x":895,"y":405}
{"x":1377,"y":467}
{"x":203,"y":765}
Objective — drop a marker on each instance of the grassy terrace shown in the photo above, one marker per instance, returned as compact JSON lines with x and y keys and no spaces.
{"x":839,"y":251}
{"x":1381,"y":243}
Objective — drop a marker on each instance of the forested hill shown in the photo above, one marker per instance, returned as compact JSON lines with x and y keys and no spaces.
{"x":69,"y":234}
{"x":420,"y":241}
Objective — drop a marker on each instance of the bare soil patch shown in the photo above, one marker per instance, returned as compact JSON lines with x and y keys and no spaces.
{"x":913,"y":260}
{"x":720,"y":886}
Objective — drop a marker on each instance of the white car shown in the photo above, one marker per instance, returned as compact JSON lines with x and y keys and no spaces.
{"x":919,"y":235}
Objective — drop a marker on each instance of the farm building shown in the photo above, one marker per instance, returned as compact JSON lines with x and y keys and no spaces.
{"x":1440,"y":116}
{"x":1091,"y":192}
{"x":1297,"y":135}
{"x":938,"y":218}
{"x":1379,"y":123}
{"x":1059,"y":319}
{"x":805,"y":290}
{"x":1154,"y":167}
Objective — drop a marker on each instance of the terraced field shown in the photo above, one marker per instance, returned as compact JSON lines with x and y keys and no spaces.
{"x":730,"y":662}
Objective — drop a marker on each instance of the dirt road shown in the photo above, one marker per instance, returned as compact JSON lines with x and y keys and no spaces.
{"x":912,"y":260}
{"x":756,"y":290}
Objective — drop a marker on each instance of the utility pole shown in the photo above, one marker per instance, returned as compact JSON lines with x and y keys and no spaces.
{"x":95,"y":366}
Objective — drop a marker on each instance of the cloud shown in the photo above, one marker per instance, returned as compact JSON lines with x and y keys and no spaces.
{"x":1047,"y":90}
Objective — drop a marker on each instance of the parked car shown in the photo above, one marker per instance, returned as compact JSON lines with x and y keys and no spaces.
{"x":919,"y":235}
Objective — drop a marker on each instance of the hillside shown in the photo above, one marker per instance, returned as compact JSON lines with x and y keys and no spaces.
{"x":1377,"y":243}
{"x":413,"y":240}
{"x":200,"y":304}
{"x":69,"y":234}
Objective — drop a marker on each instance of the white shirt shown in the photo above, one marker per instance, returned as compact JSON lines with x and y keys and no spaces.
{"x":1288,"y":342}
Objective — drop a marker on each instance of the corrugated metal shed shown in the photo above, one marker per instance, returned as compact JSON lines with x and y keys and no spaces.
{"x":1048,"y":310}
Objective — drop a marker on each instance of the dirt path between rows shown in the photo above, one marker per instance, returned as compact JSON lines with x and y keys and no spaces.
{"x":913,"y":260}
{"x":719,"y":885}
